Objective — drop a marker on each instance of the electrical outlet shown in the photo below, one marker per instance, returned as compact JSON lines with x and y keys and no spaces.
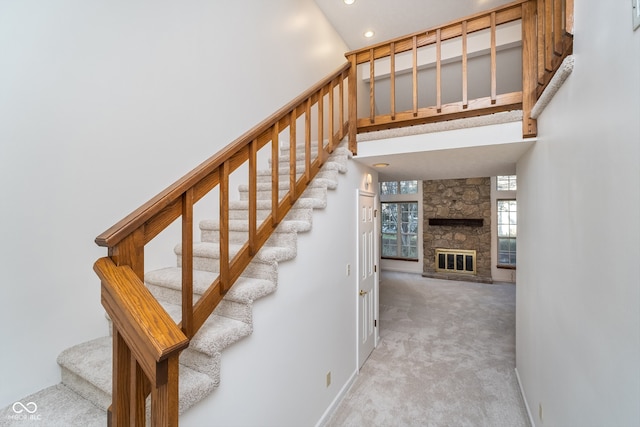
{"x":328,"y":378}
{"x":348,"y":270}
{"x":540,"y":413}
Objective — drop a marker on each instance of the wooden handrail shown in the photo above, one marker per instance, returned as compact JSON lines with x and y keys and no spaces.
{"x":127,"y":225}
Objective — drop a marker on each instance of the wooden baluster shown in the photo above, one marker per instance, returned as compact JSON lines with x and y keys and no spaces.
{"x":372,"y":90}
{"x":275,"y":175}
{"x":321,"y":127}
{"x":341,"y":101}
{"x":439,"y":70}
{"x":529,"y":81}
{"x":558,"y":31}
{"x":120,"y":413}
{"x":392,"y":70}
{"x":164,"y":397}
{"x":293,"y":139}
{"x":465,"y":100}
{"x":331,"y":125}
{"x":353,"y":106}
{"x":494,"y":72}
{"x":548,"y":35}
{"x":253,"y":195}
{"x":187,"y":263}
{"x":224,"y":171}
{"x":307,"y":141}
{"x":415,"y":75}
{"x":540,"y":40}
{"x":139,"y":385}
{"x":568,"y":16}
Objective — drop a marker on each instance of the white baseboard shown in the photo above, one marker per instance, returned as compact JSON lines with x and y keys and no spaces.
{"x":524,"y":399}
{"x":334,"y":405}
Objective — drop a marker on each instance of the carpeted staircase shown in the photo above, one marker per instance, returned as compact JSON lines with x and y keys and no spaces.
{"x":84,"y":394}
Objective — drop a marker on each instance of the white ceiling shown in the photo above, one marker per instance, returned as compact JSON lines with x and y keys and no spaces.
{"x":394,"y":18}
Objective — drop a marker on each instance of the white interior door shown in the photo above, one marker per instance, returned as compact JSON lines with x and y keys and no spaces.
{"x":366,"y":277}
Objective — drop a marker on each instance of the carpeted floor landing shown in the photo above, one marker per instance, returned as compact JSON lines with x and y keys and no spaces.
{"x":446,"y":358}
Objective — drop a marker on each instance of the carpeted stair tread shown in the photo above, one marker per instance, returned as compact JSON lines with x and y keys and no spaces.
{"x":56,"y":406}
{"x":267,"y":254}
{"x":246,"y":289}
{"x":217,"y":333}
{"x":92,"y":362}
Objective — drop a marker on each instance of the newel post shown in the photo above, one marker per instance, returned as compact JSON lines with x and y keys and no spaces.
{"x":129,"y":383}
{"x":353,"y":105}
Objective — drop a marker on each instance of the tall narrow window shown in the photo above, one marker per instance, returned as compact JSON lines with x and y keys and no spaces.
{"x":507,"y":232}
{"x":400,"y":230}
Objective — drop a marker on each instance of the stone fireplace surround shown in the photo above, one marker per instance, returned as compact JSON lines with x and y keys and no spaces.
{"x":468,"y":203}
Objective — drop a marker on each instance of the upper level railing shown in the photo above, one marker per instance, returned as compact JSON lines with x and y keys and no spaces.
{"x":147,"y":342}
{"x":404,"y":78}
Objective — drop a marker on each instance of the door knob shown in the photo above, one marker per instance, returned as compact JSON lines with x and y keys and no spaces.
{"x":363,"y":293}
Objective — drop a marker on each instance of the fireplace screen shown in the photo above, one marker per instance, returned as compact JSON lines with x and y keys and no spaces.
{"x":455,"y":261}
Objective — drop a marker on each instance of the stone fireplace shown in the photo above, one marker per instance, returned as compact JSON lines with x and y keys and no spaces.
{"x":457,"y":229}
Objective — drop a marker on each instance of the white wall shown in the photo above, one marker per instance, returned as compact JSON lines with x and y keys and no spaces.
{"x":578,"y":299}
{"x":277,"y":376}
{"x":102,"y":105}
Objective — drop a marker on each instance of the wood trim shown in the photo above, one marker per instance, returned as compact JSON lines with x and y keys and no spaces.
{"x":481,"y":106}
{"x":494,"y":68}
{"x":187,"y":264}
{"x":529,"y":77}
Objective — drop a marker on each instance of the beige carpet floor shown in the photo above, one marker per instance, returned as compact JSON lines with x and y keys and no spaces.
{"x":446,"y":358}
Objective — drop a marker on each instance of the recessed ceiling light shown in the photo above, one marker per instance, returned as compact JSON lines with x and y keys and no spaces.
{"x":349,"y":1}
{"x":380,"y":165}
{"x":369,"y":34}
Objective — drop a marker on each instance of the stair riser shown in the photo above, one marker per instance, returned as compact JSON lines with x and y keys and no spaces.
{"x":303,"y":214}
{"x":232,"y":309}
{"x":319,"y":193}
{"x":288,"y":240}
{"x":256,"y":270}
{"x":203,"y":363}
{"x":284,"y":176}
{"x":85,"y":389}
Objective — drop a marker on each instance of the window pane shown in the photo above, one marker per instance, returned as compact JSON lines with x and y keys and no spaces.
{"x":399,"y":230}
{"x":389,"y":187}
{"x":507,"y":231}
{"x":408,"y":187}
{"x":506,"y":183}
